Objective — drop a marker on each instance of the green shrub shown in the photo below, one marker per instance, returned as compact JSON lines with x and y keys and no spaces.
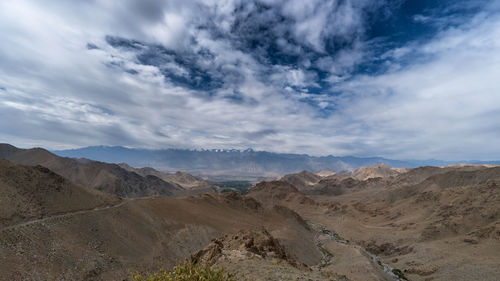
{"x":399,"y":274}
{"x":188,"y":271}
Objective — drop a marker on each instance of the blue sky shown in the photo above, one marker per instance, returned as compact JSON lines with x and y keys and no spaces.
{"x":399,"y":79}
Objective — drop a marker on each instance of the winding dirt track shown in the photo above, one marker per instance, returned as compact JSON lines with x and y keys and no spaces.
{"x":125,"y":201}
{"x":384,"y":272}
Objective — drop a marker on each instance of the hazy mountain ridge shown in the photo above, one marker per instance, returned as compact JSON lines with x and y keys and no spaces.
{"x":241,"y":162}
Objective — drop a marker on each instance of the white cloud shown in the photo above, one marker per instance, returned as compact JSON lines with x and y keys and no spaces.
{"x":443,"y":104}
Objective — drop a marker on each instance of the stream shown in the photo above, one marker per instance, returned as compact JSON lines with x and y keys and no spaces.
{"x":322,"y":230}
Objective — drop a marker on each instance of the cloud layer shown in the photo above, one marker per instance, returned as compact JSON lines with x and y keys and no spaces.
{"x":360,"y":77}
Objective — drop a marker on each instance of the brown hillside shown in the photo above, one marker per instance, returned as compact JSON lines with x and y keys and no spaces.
{"x":278,"y":193}
{"x":28,"y":192}
{"x":140,"y":235}
{"x":336,"y":185}
{"x":184,"y":180}
{"x":106,"y":177}
{"x":325,"y":173}
{"x":417,"y":175}
{"x":377,"y":171}
{"x":303,"y":181}
{"x":432,"y":223}
{"x":255,"y":254}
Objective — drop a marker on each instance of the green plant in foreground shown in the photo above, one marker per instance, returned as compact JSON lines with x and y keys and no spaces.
{"x":188,"y":271}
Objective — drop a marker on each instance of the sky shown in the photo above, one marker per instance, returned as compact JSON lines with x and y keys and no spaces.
{"x":413,"y":79}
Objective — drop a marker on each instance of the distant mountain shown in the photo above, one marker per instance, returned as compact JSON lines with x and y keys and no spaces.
{"x":185,"y":180}
{"x":303,"y":180}
{"x":106,"y":177}
{"x":232,"y":162}
{"x":377,"y":171}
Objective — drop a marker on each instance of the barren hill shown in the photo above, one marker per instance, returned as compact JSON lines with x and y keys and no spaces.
{"x":440,"y":223}
{"x":302,"y":181}
{"x":28,"y":192}
{"x":325,"y":173}
{"x":342,"y":182}
{"x":106,"y":177}
{"x":183,"y":179}
{"x":255,"y":254}
{"x":429,"y":223}
{"x":278,"y":193}
{"x":140,"y":235}
{"x":377,"y":171}
{"x":382,"y":177}
{"x":336,"y":185}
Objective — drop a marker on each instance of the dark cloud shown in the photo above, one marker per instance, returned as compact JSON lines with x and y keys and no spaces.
{"x":257,"y":135}
{"x":276,"y":34}
{"x":186,"y":69}
{"x":91,"y":46}
{"x":148,"y":10}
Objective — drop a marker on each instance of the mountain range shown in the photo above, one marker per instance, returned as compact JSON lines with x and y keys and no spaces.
{"x":236,"y":162}
{"x":80,"y":219}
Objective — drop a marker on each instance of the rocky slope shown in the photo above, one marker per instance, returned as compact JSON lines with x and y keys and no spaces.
{"x":325,"y":173}
{"x":278,"y":193}
{"x":28,"y":193}
{"x":106,"y":177}
{"x":342,"y":182}
{"x":135,"y":235}
{"x":432,"y":223}
{"x":377,"y":171}
{"x":185,"y":180}
{"x":303,"y":181}
{"x":256,"y":255}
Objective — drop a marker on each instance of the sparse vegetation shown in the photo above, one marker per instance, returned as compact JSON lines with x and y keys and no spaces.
{"x":238,"y":186}
{"x":188,"y":271}
{"x":399,"y":274}
{"x":325,"y":251}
